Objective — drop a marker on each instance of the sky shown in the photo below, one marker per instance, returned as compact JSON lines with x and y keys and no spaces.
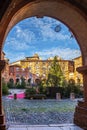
{"x":46,"y":36}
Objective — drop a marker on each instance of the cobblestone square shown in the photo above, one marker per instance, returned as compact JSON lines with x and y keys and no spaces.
{"x":38,"y":112}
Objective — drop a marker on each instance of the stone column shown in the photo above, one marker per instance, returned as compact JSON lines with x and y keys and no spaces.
{"x":80,"y":116}
{"x":2,"y":120}
{"x":58,"y":96}
{"x":72,"y":96}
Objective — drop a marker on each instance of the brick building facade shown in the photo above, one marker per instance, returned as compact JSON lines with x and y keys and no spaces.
{"x":5,"y":72}
{"x":35,"y":67}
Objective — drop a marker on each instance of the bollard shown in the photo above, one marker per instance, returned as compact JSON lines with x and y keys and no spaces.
{"x":15,"y":96}
{"x":72,"y":96}
{"x":58,"y":96}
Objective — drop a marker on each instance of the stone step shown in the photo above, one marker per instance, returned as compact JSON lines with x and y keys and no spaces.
{"x":44,"y":127}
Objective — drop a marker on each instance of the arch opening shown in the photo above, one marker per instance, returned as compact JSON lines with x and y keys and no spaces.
{"x":49,"y":9}
{"x":55,"y":28}
{"x":53,"y":9}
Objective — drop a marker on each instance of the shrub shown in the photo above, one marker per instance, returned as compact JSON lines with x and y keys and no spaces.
{"x":72,"y":87}
{"x":29,"y":91}
{"x":42,"y":87}
{"x":23,"y":83}
{"x":51,"y":91}
{"x":65,"y":91}
{"x":37,"y":96}
{"x":20,"y":84}
{"x":10,"y":84}
{"x":4,"y":88}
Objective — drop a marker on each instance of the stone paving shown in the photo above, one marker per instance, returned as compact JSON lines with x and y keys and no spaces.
{"x":23,"y":114}
{"x":45,"y":127}
{"x":38,"y":112}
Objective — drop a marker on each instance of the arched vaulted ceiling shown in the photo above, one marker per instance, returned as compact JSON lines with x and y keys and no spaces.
{"x":4,"y":4}
{"x":74,"y":15}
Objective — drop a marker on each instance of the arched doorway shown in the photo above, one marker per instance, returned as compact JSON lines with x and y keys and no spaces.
{"x":66,"y":13}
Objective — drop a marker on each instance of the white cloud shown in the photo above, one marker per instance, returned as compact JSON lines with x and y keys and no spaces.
{"x":25,"y":34}
{"x":65,"y":53}
{"x":45,"y":27}
{"x":48,"y":32}
{"x":18,"y":45}
{"x":40,"y":22}
{"x":15,"y":57}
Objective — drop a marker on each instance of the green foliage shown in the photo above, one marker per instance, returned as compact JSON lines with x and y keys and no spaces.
{"x":24,"y":109}
{"x":42,"y":87}
{"x":55,"y":76}
{"x":18,"y":86}
{"x":72,"y":87}
{"x":4,"y":88}
{"x":22,"y":84}
{"x":29,"y":82}
{"x":65,"y":91}
{"x":30,"y":91}
{"x":10,"y":84}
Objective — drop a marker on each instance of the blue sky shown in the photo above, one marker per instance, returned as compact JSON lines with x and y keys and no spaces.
{"x":38,"y":35}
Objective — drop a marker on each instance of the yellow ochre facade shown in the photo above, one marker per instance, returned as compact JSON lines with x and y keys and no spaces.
{"x":77,"y":76}
{"x":41,"y":67}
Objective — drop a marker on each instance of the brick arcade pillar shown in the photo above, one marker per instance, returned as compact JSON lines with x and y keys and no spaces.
{"x":80,"y":115}
{"x":2,"y":119}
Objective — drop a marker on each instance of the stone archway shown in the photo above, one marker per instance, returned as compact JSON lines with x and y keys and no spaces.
{"x":74,"y":18}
